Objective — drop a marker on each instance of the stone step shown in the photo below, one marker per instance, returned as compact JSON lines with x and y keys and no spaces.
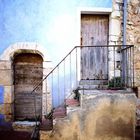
{"x":74,"y":108}
{"x":46,"y":125}
{"x":24,"y":125}
{"x":93,"y":82}
{"x":59,"y":112}
{"x":72,"y":102}
{"x":92,"y":87}
{"x":94,"y":92}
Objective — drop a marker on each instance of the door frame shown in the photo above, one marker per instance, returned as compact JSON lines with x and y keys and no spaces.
{"x":24,"y":52}
{"x":89,"y":10}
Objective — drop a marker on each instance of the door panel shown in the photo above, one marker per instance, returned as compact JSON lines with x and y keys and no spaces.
{"x":94,"y":31}
{"x":27,"y":73}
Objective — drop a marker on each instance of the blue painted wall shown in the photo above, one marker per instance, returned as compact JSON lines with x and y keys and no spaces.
{"x":48,"y":22}
{"x":1,"y":102}
{"x":1,"y":94}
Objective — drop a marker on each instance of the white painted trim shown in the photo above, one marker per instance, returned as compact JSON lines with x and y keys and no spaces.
{"x":88,"y":10}
{"x":9,"y":52}
{"x":95,"y":10}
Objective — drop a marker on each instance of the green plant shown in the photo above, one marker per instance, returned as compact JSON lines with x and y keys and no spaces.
{"x":115,"y":82}
{"x":77,"y":94}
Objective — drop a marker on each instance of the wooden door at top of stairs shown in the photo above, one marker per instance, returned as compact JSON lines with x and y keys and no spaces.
{"x":94,"y":60}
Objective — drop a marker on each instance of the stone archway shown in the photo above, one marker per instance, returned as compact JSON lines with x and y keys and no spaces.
{"x":6,"y":64}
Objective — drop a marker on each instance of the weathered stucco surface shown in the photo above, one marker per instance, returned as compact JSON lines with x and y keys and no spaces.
{"x":103,"y":117}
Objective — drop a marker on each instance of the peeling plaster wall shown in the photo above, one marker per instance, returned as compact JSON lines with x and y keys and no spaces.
{"x":104,"y":117}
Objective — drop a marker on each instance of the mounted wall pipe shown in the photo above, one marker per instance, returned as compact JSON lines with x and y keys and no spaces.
{"x":124,"y":21}
{"x":124,"y":39}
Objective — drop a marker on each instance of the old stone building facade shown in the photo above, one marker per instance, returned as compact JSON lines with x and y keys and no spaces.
{"x":115,"y":37}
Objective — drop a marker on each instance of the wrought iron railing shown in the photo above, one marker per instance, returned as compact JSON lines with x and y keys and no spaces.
{"x":115,"y":70}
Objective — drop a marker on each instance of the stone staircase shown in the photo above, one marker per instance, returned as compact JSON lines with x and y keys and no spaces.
{"x":59,"y":113}
{"x":94,"y":106}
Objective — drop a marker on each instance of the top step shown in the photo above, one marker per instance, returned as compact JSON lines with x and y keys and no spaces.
{"x":94,"y":82}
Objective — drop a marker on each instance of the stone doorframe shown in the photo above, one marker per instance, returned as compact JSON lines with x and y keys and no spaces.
{"x":6,"y":77}
{"x":115,"y":34}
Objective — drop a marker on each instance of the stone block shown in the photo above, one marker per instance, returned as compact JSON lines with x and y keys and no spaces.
{"x":24,"y":126}
{"x":115,"y":27}
{"x":8,"y":94}
{"x":116,"y":7}
{"x":6,"y":77}
{"x":49,"y":103}
{"x":8,"y":109}
{"x":137,"y":65}
{"x":1,"y":109}
{"x":138,"y":39}
{"x":5,"y":64}
{"x":45,"y":86}
{"x":134,"y":2}
{"x":115,"y":14}
{"x":139,"y":94}
{"x":8,"y":118}
{"x":119,"y":1}
{"x":113,"y":38}
{"x":111,"y":43}
{"x":45,"y":135}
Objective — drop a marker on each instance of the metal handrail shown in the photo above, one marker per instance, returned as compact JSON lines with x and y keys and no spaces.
{"x":126,"y":71}
{"x":52,"y":70}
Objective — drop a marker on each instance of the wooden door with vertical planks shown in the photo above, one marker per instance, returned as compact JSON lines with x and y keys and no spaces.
{"x":28,"y":72}
{"x":94,"y":32}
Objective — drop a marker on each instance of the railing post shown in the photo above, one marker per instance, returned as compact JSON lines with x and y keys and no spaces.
{"x":70,"y":73}
{"x":58,"y":86}
{"x":114,"y":66}
{"x":76,"y":68}
{"x":64,"y":82}
{"x":133,"y":68}
{"x":123,"y":66}
{"x":52,"y":91}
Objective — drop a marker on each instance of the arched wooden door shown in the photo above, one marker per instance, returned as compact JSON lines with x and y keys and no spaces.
{"x":27,"y":73}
